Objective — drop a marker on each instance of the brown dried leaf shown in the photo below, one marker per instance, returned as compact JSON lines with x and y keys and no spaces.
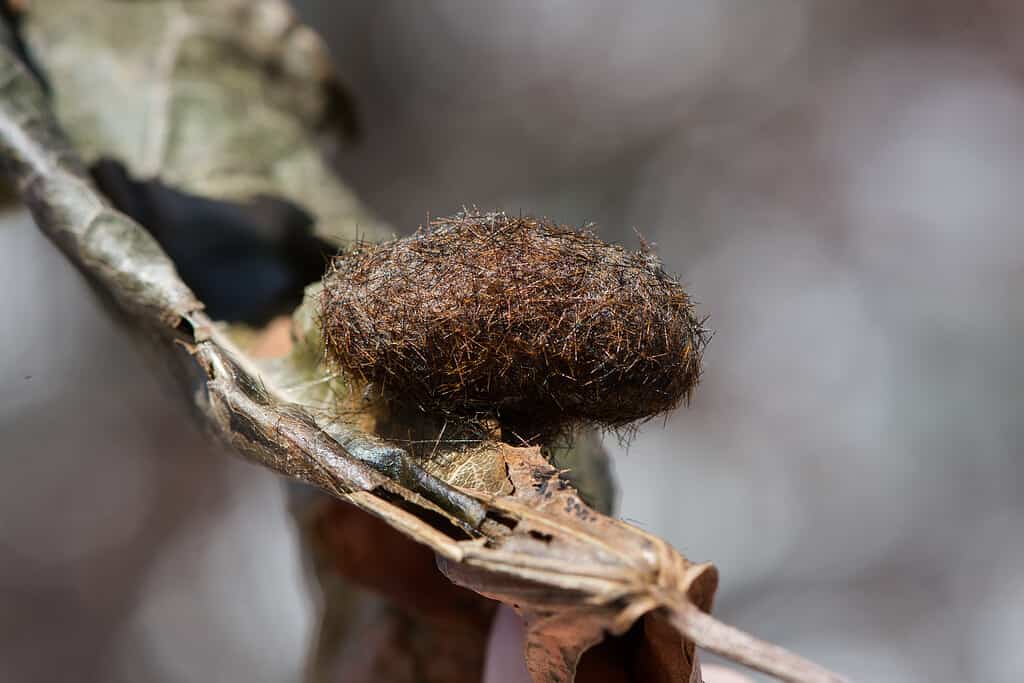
{"x":576,"y":575}
{"x":435,"y":631}
{"x":529,"y":540}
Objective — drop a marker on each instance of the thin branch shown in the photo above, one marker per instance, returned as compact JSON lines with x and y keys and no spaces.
{"x":722,"y":639}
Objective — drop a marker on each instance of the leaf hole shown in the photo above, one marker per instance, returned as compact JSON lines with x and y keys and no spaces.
{"x":506,"y":521}
{"x":541,"y":536}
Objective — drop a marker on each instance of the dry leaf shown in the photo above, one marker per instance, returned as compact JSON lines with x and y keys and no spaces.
{"x":222,"y":99}
{"x":524,"y":536}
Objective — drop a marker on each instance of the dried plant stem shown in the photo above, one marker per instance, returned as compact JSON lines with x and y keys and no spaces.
{"x":743,"y":648}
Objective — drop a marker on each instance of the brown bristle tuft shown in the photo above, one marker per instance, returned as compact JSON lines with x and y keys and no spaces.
{"x":538,"y":325}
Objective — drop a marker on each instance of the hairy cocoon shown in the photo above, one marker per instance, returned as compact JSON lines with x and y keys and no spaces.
{"x":537,"y":325}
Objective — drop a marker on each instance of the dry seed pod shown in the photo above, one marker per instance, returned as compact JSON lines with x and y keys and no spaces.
{"x":538,"y":325}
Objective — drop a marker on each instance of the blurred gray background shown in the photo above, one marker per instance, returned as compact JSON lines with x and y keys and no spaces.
{"x":837,"y":183}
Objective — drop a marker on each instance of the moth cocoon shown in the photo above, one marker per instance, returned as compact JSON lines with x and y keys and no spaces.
{"x":537,"y":325}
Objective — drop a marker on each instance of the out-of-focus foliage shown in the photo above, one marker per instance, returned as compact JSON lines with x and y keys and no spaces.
{"x":218,"y":99}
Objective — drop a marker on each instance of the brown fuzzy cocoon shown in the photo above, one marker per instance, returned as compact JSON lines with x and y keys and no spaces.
{"x":494,"y":316}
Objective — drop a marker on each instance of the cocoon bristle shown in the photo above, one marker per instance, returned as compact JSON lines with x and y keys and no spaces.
{"x":537,"y":325}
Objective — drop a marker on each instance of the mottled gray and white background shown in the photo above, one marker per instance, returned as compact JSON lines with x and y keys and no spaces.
{"x":839,"y":184}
